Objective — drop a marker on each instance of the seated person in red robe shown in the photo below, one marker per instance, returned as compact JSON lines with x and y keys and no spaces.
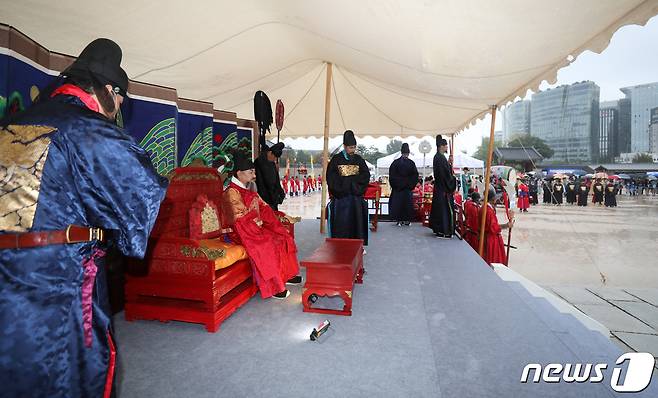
{"x":471,"y":219}
{"x":270,"y":247}
{"x":494,"y":247}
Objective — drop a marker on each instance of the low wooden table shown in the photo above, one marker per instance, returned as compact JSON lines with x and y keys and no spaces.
{"x":332,"y":270}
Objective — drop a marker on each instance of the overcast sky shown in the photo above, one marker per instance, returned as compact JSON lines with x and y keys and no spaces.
{"x":630,"y":59}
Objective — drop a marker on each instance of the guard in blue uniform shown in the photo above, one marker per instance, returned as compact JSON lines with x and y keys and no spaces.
{"x":72,"y":184}
{"x":347,"y":180}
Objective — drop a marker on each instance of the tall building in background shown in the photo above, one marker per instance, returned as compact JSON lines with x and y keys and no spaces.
{"x":653,"y":131}
{"x":499,"y":137}
{"x":624,"y":126}
{"x":567,"y":119}
{"x":608,"y":130}
{"x":643,"y":98}
{"x":516,"y":120}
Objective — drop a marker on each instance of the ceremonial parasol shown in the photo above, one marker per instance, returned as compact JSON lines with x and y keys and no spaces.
{"x":278,"y":119}
{"x":262,"y":114}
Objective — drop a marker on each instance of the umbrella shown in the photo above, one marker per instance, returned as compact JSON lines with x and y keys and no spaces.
{"x":589,"y":176}
{"x":652,"y":177}
{"x":600,"y":175}
{"x":614,"y":177}
{"x":624,"y":176}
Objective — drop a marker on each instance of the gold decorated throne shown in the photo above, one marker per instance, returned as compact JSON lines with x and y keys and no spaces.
{"x":190,"y":272}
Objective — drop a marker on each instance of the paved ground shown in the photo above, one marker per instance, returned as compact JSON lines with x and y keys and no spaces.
{"x":602,"y":261}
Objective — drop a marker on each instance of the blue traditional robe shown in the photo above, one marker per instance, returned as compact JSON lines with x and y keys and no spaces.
{"x":347,"y":180}
{"x":60,"y":164}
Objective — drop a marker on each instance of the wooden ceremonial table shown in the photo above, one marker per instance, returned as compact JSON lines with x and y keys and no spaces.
{"x":374,"y":193}
{"x":332,"y":270}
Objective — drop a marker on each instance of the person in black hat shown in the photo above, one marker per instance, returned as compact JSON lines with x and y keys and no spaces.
{"x":442,"y":219}
{"x":598,"y":190}
{"x":582,"y":193}
{"x":558,"y":191}
{"x":267,"y":176}
{"x":255,"y":226}
{"x":570,"y":191}
{"x":610,"y":197}
{"x":347,"y":180}
{"x":87,"y":186}
{"x":403,"y":176}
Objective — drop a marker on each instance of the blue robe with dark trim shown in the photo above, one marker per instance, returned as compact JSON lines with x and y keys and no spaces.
{"x":442,"y":215}
{"x":403,"y":177}
{"x":62,"y":164}
{"x":347,"y":180}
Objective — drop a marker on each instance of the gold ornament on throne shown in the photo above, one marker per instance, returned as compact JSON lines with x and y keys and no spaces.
{"x":209,"y":220}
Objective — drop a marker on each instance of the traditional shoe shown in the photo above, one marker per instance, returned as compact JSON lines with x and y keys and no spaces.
{"x":406,"y":223}
{"x":364,"y":251}
{"x":295,"y":280}
{"x":282,"y":295}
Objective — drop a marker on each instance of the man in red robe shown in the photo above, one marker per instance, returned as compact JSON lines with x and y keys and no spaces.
{"x":472,"y":221}
{"x":297,"y":187}
{"x":494,"y":247}
{"x":270,"y":247}
{"x":305,"y":185}
{"x":309,"y":180}
{"x":284,"y":183}
{"x":523,"y":202}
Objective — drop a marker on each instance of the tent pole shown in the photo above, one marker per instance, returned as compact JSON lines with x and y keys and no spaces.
{"x":486,"y":179}
{"x":325,"y":151}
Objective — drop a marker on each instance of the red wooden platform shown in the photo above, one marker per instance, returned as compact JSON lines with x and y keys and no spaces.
{"x":332,"y":270}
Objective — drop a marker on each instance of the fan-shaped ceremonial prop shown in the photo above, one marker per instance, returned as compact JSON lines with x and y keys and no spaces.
{"x":278,"y":118}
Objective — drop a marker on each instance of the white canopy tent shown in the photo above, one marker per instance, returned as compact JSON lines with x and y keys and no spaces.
{"x":400,"y":68}
{"x":393,"y":68}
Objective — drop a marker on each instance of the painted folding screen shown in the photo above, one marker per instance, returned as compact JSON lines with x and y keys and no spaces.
{"x":195,"y":131}
{"x":24,"y":71}
{"x":149,"y":115}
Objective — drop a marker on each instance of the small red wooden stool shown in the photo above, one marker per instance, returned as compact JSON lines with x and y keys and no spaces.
{"x":332,"y":270}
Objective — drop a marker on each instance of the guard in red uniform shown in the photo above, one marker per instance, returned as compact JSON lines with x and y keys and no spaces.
{"x":297,"y":186}
{"x":523,"y":202}
{"x":270,"y":246}
{"x":472,"y":221}
{"x":494,"y":246}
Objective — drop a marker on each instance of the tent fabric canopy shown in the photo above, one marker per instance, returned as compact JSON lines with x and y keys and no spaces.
{"x":400,"y":68}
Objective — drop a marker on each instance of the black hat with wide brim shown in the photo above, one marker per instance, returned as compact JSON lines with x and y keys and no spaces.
{"x":405,"y":148}
{"x":277,"y":149}
{"x":101,"y":61}
{"x":440,"y":141}
{"x":348,"y":138}
{"x":242,"y":163}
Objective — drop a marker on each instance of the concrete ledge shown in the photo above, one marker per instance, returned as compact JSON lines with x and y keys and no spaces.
{"x":509,"y":275}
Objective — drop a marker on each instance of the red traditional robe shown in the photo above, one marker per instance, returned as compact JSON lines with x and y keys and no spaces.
{"x":297,"y":185}
{"x":309,"y":180}
{"x":494,"y":247}
{"x":284,"y":182}
{"x":472,"y":221}
{"x":305,"y":183}
{"x":270,"y":247}
{"x":523,"y":201}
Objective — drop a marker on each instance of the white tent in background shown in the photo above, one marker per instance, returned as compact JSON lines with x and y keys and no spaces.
{"x":371,"y":167}
{"x":400,"y":68}
{"x":460,"y":160}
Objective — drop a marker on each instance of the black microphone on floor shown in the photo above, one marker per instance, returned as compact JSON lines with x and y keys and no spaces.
{"x":321,"y":329}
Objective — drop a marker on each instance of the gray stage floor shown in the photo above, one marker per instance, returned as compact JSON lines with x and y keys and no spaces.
{"x":430,"y":320}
